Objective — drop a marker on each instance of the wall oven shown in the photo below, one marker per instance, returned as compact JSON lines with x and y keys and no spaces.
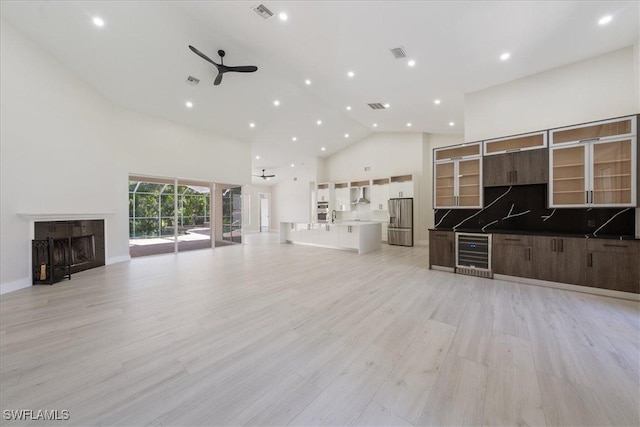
{"x":323,"y":212}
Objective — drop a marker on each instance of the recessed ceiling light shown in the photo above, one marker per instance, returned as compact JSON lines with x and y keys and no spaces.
{"x":411,"y":63}
{"x":257,"y":157}
{"x":292,"y":165}
{"x":387,"y":105}
{"x":268,"y":178}
{"x":605,"y":20}
{"x":319,"y":122}
{"x":408,"y":125}
{"x":437,"y":102}
{"x":98,"y":22}
{"x":252,"y":125}
{"x":375,"y":125}
{"x":505,"y":56}
{"x":276,"y":102}
{"x":307,"y":82}
{"x":452,"y":124}
{"x":323,"y":149}
{"x":294,"y":138}
{"x":348,"y":108}
{"x":346,"y":135}
{"x":351,"y":74}
{"x":283,"y":16}
{"x":189,"y":104}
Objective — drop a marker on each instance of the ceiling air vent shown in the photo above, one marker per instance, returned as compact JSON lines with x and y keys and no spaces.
{"x":377,"y":106}
{"x":192,"y":80}
{"x":399,"y":52}
{"x":263,"y":11}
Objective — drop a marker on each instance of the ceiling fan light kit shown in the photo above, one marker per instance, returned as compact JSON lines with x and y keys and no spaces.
{"x":223,"y":68}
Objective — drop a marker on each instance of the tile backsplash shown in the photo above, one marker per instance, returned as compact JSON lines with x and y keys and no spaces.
{"x":523,"y":208}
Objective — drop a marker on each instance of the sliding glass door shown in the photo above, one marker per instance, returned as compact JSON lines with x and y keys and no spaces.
{"x":194,"y":215}
{"x":168,"y":215}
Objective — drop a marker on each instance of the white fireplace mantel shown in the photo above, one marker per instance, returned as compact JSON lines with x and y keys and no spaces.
{"x":64,"y":216}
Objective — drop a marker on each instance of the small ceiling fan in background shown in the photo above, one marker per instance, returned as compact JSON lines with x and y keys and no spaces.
{"x":223,"y":68}
{"x":263,"y":176}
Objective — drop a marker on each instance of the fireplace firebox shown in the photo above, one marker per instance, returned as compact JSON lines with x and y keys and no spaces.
{"x":61,"y":248}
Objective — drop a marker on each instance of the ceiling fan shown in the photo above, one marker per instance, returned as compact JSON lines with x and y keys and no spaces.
{"x":263,"y":176}
{"x":223,"y":68}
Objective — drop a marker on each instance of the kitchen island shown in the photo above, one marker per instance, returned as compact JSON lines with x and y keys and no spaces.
{"x":360,"y":236}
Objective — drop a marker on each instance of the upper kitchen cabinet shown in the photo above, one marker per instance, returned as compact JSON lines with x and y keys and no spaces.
{"x":324,"y":192}
{"x":457,"y":173}
{"x":516,"y":160}
{"x":401,"y":186}
{"x":380,"y":194}
{"x":343,"y":196}
{"x":594,"y":165}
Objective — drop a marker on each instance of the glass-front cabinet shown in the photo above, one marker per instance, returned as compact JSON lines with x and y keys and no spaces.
{"x":594,"y":165}
{"x":457,"y":173}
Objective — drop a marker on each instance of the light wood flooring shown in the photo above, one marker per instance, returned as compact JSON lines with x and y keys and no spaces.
{"x":272,"y":334}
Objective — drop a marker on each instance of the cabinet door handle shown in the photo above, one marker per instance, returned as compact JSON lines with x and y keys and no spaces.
{"x":553,"y":245}
{"x":509,"y":176}
{"x":560,"y":245}
{"x":451,"y":247}
{"x":587,"y":196}
{"x":511,"y":239}
{"x":589,"y":140}
{"x":512,"y":150}
{"x":590,"y":260}
{"x":528,"y":254}
{"x":591,"y":196}
{"x":515,"y":176}
{"x":615,"y":246}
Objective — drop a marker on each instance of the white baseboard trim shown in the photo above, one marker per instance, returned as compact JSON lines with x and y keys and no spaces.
{"x":15,"y":285}
{"x":117,"y":259}
{"x":567,"y":287}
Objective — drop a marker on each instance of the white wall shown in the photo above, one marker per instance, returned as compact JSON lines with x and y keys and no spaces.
{"x":64,"y":149}
{"x":387,"y":154}
{"x":597,"y":88}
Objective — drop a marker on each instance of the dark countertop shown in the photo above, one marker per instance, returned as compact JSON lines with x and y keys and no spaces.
{"x":538,"y":233}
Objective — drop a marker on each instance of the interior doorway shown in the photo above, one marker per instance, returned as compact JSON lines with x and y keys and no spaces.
{"x":264,"y":212}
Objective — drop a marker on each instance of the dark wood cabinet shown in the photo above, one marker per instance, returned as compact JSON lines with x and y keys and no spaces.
{"x":518,"y":168}
{"x":560,"y":259}
{"x":512,"y":255}
{"x":613,"y":264}
{"x":441,"y":248}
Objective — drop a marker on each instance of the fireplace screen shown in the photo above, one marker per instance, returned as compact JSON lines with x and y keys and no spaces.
{"x":51,"y":260}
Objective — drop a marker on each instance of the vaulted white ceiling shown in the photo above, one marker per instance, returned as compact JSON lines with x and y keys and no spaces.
{"x":140,"y":60}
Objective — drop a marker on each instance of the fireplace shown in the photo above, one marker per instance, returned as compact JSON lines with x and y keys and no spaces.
{"x":61,"y":248}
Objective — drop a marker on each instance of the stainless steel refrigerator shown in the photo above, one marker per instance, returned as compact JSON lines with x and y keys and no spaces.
{"x":401,"y":222}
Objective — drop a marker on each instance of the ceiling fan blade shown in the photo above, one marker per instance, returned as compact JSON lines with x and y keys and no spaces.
{"x":218,"y":79}
{"x":243,"y":69}
{"x":203,"y":56}
{"x":269,"y":176}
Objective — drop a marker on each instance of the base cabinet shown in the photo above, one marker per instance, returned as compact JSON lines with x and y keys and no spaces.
{"x":441,"y":248}
{"x":614,"y":264}
{"x":598,"y":263}
{"x":560,"y":259}
{"x":512,"y":255}
{"x":349,"y":236}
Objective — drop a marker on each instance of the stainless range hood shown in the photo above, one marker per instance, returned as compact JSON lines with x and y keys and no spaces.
{"x":362,"y":196}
